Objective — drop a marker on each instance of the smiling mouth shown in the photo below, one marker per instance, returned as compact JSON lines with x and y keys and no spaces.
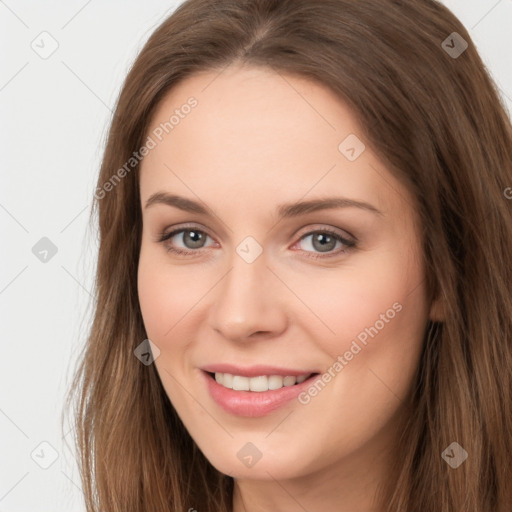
{"x":258,"y":384}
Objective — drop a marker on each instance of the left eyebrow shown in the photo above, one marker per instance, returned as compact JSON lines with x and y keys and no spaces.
{"x":304,"y":207}
{"x":287,"y":210}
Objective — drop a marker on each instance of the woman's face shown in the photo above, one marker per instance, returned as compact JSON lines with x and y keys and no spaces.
{"x":273,"y":282}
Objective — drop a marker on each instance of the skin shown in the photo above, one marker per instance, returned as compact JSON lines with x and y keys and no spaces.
{"x":255,"y":140}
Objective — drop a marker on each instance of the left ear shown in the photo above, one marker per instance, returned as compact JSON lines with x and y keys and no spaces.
{"x":437,"y":312}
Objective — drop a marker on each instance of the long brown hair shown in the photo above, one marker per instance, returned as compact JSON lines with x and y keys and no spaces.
{"x":436,"y":119}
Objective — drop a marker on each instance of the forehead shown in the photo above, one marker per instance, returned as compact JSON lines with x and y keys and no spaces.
{"x":256,"y":135}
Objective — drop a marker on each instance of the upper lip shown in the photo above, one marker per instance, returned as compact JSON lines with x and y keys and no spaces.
{"x":254,"y":371}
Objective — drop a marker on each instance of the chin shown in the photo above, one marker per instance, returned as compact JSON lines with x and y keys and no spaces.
{"x":240,"y":465}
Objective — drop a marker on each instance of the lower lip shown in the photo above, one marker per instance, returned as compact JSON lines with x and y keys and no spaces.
{"x":253,"y":403}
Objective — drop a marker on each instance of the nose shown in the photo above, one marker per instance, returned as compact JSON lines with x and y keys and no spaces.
{"x":249,"y":302}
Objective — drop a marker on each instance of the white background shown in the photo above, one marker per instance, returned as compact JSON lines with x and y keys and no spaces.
{"x":54,"y":115}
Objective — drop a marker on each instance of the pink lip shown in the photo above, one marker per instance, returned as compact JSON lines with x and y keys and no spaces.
{"x":252,"y":404}
{"x":255,"y":371}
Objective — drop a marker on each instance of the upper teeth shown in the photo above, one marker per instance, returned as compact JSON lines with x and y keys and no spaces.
{"x":260,"y":383}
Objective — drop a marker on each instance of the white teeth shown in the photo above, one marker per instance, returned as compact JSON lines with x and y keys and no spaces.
{"x":240,"y":383}
{"x":275,"y":382}
{"x":289,"y":381}
{"x":227,"y":380}
{"x":258,"y":384}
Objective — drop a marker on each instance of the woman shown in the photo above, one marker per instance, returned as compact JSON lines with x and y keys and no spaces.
{"x":303,"y":288}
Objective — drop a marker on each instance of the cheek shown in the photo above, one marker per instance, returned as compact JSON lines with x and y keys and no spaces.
{"x":372,"y":312}
{"x":165,"y":295}
{"x":377,"y":315}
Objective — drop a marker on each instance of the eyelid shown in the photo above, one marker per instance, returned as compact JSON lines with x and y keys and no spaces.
{"x":307,"y":231}
{"x":349,"y":241}
{"x":348,"y":244}
{"x":343,"y":233}
{"x":165,"y":233}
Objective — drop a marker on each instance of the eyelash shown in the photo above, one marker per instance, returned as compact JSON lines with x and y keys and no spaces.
{"x":349,"y":244}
